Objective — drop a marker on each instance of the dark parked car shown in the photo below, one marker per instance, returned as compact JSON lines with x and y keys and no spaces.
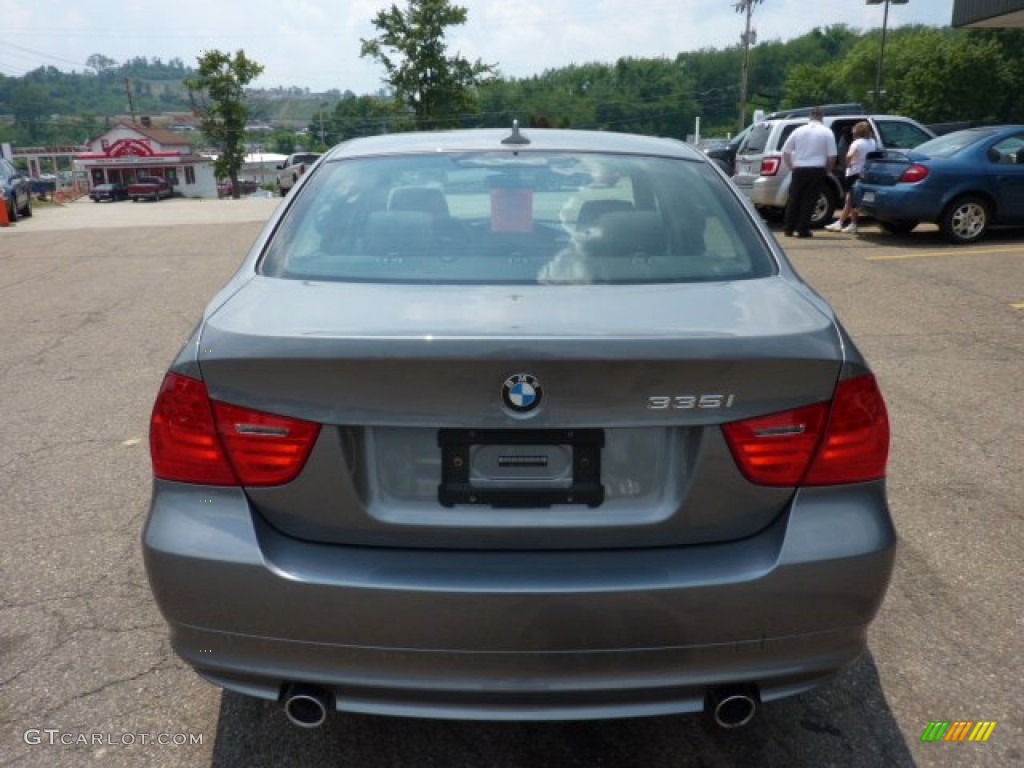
{"x":43,"y":187}
{"x":17,"y":189}
{"x":725,"y":154}
{"x":965,"y":182}
{"x":109,"y":192}
{"x":450,"y":445}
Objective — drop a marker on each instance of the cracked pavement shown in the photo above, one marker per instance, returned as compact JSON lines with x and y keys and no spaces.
{"x":95,"y":300}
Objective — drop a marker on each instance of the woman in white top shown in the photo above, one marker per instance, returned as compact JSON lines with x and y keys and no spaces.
{"x":855,"y":157}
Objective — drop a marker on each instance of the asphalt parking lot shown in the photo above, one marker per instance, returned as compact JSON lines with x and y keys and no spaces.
{"x":96,"y":299}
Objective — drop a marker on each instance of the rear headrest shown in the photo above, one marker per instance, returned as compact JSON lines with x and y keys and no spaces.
{"x":426,"y":199}
{"x":398,"y":233}
{"x":592,"y":210}
{"x":630,"y":233}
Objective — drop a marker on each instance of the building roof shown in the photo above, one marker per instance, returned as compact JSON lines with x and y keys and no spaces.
{"x":159,"y":135}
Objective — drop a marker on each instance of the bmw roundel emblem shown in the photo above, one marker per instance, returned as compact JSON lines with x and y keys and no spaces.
{"x":521,"y":392}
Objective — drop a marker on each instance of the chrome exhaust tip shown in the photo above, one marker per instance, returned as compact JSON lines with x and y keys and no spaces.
{"x":306,"y":705}
{"x":732,"y":706}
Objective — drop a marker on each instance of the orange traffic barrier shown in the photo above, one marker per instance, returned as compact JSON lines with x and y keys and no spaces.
{"x":5,"y":220}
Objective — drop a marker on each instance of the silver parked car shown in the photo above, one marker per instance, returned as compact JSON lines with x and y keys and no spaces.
{"x":518,"y":425}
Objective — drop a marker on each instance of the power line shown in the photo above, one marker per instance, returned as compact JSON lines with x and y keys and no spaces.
{"x":12,"y":70}
{"x":8,"y":44}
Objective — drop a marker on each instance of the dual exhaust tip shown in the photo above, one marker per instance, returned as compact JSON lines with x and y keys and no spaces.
{"x":731,"y":706}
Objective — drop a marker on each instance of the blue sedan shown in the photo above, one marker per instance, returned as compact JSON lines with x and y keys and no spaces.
{"x":965,"y":182}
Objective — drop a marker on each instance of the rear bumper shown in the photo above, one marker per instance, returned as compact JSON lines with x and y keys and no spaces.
{"x":518,"y":635}
{"x":897,"y":203}
{"x":770,"y":191}
{"x":765,"y":191}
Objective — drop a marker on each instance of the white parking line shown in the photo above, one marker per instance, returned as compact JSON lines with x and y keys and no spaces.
{"x":953,"y":251}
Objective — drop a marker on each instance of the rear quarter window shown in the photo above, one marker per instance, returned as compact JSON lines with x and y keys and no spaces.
{"x":785,"y":133}
{"x":1009,"y":151}
{"x":898,"y":134}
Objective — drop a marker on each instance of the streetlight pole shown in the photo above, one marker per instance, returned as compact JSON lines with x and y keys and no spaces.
{"x":323,"y":141}
{"x":881,"y":49}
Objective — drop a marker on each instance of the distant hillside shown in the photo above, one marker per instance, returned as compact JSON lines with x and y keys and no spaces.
{"x":49,"y":106}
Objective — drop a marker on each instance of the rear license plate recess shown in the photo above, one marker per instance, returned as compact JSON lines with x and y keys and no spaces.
{"x":520,"y":467}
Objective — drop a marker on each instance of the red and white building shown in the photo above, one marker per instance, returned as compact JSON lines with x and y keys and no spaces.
{"x":130,"y":150}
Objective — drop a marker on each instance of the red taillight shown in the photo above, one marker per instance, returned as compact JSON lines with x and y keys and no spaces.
{"x":770,"y":166}
{"x":195,"y":440}
{"x":265,"y":449}
{"x":914,"y":173}
{"x":776,"y":449}
{"x":856,"y":444}
{"x":182,"y":437}
{"x":846,"y":441}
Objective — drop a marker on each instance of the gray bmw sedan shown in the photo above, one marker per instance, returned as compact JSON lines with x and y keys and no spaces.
{"x":527,"y":425}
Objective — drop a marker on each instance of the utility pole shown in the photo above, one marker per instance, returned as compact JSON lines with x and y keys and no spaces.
{"x":748,"y":38}
{"x":131,"y":100}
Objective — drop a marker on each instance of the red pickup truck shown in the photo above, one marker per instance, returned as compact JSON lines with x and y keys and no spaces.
{"x":149,"y":188}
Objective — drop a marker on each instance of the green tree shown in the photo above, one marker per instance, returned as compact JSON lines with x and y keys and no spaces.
{"x":100,"y":63}
{"x":717,"y":84}
{"x":86,"y":127}
{"x":811,"y":84}
{"x":32,"y":106}
{"x":947,"y":76}
{"x":1011,"y":43}
{"x":439,"y":89}
{"x":218,"y":93}
{"x":359,"y":116}
{"x":282,"y":141}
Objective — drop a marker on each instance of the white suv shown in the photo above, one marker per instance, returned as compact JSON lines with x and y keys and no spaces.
{"x":761,"y":173}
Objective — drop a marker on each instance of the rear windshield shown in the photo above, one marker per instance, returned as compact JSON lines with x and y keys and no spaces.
{"x":756,"y":140}
{"x":523,"y":217}
{"x":951,"y":143}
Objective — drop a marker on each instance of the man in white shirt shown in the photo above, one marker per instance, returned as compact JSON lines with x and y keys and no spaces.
{"x":810,"y":152}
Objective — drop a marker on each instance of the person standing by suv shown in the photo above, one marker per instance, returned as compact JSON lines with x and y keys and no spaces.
{"x":856,"y":155}
{"x":810,"y":152}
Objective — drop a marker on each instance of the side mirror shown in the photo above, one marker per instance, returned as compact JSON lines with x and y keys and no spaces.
{"x":994,"y":155}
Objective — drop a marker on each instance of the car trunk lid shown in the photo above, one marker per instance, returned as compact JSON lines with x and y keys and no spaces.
{"x":642,"y":391}
{"x":886,"y":167}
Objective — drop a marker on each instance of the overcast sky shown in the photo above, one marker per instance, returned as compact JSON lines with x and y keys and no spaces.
{"x":315,"y":43}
